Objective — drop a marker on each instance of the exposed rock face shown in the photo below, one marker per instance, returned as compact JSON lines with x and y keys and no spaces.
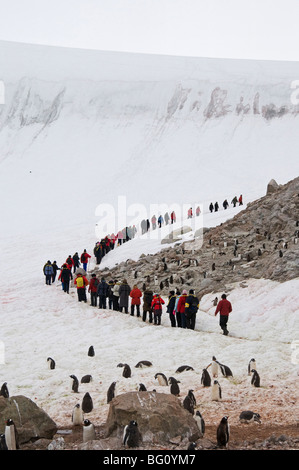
{"x":31,"y":421}
{"x":272,"y":187}
{"x":260,"y":242}
{"x":160,"y":417}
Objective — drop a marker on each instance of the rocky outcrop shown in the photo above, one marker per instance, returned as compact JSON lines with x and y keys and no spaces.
{"x":261,"y":241}
{"x":160,"y":417}
{"x":31,"y":422}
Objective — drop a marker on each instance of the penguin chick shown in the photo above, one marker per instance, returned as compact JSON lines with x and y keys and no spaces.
{"x":161,"y":378}
{"x":75,"y":383}
{"x":77,"y":415}
{"x":86,"y":379}
{"x":4,"y":391}
{"x":89,"y":433}
{"x":222,"y":433}
{"x":174,"y":387}
{"x":249,"y":416}
{"x":131,"y":435}
{"x":205,"y":378}
{"x":51,"y":363}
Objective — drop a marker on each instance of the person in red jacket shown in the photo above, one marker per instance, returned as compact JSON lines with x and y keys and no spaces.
{"x":224,"y":308}
{"x":135,"y":295}
{"x":92,"y":289}
{"x":81,"y":282}
{"x":157,"y":303}
{"x":84,"y":259}
{"x":181,"y":310}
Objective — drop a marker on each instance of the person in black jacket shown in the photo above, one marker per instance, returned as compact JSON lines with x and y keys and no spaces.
{"x":55,"y":269}
{"x":147,"y":305}
{"x":102,"y":292}
{"x":170,"y":307}
{"x":65,"y":276}
{"x":191,"y":308}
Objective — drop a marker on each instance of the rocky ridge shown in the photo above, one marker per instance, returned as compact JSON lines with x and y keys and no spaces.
{"x":259,"y":242}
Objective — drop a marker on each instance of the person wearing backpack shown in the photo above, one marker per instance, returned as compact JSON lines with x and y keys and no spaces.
{"x":92,"y":289}
{"x":81,"y":282}
{"x":65,"y":276}
{"x":48,"y":272}
{"x":157,"y":303}
{"x":84,"y":259}
{"x":191,"y":307}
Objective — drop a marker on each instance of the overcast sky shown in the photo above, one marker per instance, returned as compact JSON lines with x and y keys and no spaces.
{"x":249,"y":29}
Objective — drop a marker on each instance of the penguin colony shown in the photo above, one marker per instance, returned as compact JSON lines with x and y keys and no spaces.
{"x":131,"y":434}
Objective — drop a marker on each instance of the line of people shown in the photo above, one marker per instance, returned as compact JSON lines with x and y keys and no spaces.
{"x":225,"y":204}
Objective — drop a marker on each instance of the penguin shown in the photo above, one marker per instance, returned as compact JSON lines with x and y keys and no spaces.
{"x":86,"y":379}
{"x":75,"y":383}
{"x":141,"y":364}
{"x":3,"y":445}
{"x":200,"y":422}
{"x":126,"y":371}
{"x":223,"y":432}
{"x":192,"y":397}
{"x":249,"y":416}
{"x":91,"y":352}
{"x":174,"y":387}
{"x":11,"y":435}
{"x":191,"y":446}
{"x":251,"y":365}
{"x":89,"y":433}
{"x":216,"y":392}
{"x":225,"y":370}
{"x":162,"y":379}
{"x":255,"y":380}
{"x":205,"y":378}
{"x":131,"y":435}
{"x":51,"y":363}
{"x":87,"y":403}
{"x":77,"y":415}
{"x":142,"y":388}
{"x":183,"y":368}
{"x":188,"y":404}
{"x":280,"y":253}
{"x":4,"y":391}
{"x":214,"y":367}
{"x":111,"y":392}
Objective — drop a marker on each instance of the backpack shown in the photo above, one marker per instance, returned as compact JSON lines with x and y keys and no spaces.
{"x":80,"y":281}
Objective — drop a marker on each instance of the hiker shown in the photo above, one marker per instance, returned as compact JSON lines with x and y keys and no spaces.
{"x":170,"y":307}
{"x":92,"y":289}
{"x":191,"y":308}
{"x":69,"y":262}
{"x":76,"y":260}
{"x":160,"y":221}
{"x":225,"y":204}
{"x":84,"y":259}
{"x":124,"y":293}
{"x":241,"y":200}
{"x":48,"y":272}
{"x":55,"y":269}
{"x":147,"y":304}
{"x":173,"y":217}
{"x":135,"y":295}
{"x":198,"y":211}
{"x":110,"y":294}
{"x":115,"y":297}
{"x":234,"y":201}
{"x":181,"y":310}
{"x":211,"y":207}
{"x":190,"y":213}
{"x":224,"y":308}
{"x":81,"y":282}
{"x":177,"y":314}
{"x":102,"y":292}
{"x":65,"y":276}
{"x":157,"y":303}
{"x":216,"y":206}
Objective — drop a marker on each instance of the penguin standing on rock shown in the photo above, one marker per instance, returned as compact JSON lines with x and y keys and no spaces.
{"x":87,"y":403}
{"x":4,"y":391}
{"x":75,"y":383}
{"x":89,"y":433}
{"x":174,"y":387}
{"x":131,"y":436}
{"x":255,"y":380}
{"x":205,"y":378}
{"x":200,"y":422}
{"x":77,"y":415}
{"x":216,"y":392}
{"x":111,"y":392}
{"x":162,"y":379}
{"x":51,"y":363}
{"x":11,"y":435}
{"x":223,"y":432}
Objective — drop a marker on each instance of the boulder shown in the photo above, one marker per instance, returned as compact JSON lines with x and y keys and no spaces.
{"x":272,"y":187}
{"x":160,"y":417}
{"x":32,"y":422}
